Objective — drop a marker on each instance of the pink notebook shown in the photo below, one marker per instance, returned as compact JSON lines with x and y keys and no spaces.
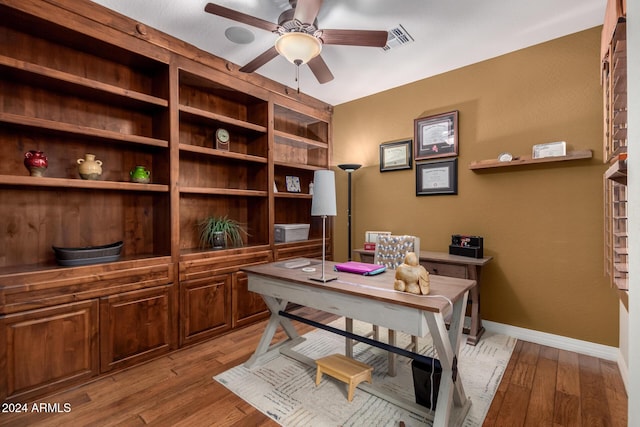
{"x":363,"y":268}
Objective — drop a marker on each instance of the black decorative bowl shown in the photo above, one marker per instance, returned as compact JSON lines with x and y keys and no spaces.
{"x":88,"y":255}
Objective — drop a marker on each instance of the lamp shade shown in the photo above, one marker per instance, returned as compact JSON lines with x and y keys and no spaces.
{"x":350,"y":167}
{"x":324,"y":194}
{"x":298,"y":48}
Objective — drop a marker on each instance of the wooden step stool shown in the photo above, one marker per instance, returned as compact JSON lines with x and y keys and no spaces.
{"x":344,"y":369}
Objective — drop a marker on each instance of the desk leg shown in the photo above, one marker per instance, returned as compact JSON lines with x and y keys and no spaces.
{"x":392,"y":358}
{"x":447,"y":343}
{"x":348,"y":351}
{"x":476,"y":330}
{"x":265,"y":349}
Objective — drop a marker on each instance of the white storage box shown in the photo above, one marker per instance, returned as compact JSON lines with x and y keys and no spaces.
{"x":291,"y":232}
{"x":371,"y":237}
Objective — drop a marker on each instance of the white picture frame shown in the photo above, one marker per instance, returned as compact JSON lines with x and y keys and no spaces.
{"x":293,"y":184}
{"x":550,"y":149}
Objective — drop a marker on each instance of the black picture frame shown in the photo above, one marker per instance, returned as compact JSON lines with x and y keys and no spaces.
{"x":437,"y":177}
{"x":436,"y":136}
{"x":396,"y":155}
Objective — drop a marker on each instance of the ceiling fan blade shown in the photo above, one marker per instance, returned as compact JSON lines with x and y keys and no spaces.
{"x":240,"y":17}
{"x":355,"y":37}
{"x":320,"y":69}
{"x":260,"y":60}
{"x":307,"y":10}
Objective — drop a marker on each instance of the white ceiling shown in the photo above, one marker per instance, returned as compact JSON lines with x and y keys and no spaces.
{"x":448,"y":34}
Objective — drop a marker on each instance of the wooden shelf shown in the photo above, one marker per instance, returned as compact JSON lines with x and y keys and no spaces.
{"x":527,"y":160}
{"x":298,"y":166}
{"x":284,"y":195}
{"x":34,"y":181}
{"x":48,"y":77}
{"x":224,"y":154}
{"x":300,"y":148}
{"x":202,"y":115}
{"x":617,"y":172}
{"x":77,"y":130}
{"x":223,"y":191}
{"x":621,"y":283}
{"x":297,"y":141}
{"x":296,"y":243}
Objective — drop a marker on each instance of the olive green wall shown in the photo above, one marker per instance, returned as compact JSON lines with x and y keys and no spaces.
{"x":542,"y":224}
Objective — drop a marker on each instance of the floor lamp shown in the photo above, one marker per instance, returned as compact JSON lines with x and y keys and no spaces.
{"x":323,"y":204}
{"x":349,"y":169}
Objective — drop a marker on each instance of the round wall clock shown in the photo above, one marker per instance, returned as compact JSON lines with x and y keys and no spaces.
{"x":222,"y":139}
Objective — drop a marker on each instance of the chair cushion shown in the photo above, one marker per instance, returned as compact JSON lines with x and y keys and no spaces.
{"x":391,"y":250}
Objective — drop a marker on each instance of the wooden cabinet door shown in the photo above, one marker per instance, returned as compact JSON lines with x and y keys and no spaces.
{"x":205,"y":307}
{"x":134,"y":326}
{"x":46,"y":349}
{"x":248,"y":307}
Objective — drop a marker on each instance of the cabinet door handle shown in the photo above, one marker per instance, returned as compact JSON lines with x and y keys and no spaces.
{"x":435,"y":271}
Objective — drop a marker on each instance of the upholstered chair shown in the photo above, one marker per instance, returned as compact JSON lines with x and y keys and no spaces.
{"x":390,"y":252}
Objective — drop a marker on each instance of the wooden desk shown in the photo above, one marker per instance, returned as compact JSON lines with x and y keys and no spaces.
{"x":444,"y":264}
{"x":373,"y":300}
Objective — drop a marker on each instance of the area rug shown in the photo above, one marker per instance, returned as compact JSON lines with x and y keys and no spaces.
{"x":284,"y":389}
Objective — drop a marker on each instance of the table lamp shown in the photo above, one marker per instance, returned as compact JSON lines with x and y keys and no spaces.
{"x":323,"y":204}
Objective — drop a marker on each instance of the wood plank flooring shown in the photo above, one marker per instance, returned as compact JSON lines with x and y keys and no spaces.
{"x":542,"y":386}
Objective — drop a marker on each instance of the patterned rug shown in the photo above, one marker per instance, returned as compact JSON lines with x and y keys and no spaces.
{"x":284,"y":389}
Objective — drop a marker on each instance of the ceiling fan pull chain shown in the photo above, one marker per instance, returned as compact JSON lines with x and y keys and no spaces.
{"x":298,"y":62}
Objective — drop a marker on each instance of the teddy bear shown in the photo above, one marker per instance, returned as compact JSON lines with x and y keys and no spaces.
{"x":411,"y":276}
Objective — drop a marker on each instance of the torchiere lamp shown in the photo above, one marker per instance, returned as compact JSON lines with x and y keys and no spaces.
{"x":349,"y":168}
{"x":323,"y":204}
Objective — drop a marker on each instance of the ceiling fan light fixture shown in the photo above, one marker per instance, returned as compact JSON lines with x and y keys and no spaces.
{"x":299,"y":48}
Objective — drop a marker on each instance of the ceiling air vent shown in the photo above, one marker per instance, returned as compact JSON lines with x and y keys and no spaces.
{"x":397,"y":37}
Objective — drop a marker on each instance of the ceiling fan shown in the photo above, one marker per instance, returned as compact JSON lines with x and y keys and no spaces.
{"x":300,"y":40}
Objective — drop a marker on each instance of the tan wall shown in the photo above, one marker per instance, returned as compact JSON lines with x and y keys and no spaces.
{"x":542,"y":224}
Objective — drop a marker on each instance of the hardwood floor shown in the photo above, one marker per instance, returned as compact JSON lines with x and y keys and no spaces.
{"x":542,"y":386}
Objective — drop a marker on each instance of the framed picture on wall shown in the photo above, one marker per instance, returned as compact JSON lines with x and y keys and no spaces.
{"x":395,"y":155}
{"x":436,"y":136}
{"x":437,"y":177}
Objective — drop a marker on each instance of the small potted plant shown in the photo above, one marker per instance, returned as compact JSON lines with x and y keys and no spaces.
{"x":218,"y":231}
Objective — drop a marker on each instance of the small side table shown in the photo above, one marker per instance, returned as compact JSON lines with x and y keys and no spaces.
{"x":462,"y":267}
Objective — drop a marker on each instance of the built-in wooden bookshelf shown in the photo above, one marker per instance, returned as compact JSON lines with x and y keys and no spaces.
{"x":84,"y":80}
{"x":614,"y":82}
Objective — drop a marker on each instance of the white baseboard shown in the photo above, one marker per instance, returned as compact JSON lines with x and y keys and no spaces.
{"x":557,"y":341}
{"x":624,"y":371}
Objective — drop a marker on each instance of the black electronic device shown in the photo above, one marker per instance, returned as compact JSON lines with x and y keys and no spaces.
{"x":469,"y":246}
